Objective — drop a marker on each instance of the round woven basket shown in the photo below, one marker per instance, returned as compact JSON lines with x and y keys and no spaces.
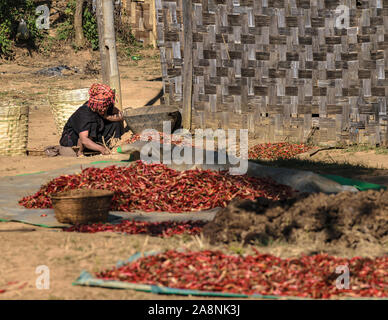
{"x":63,"y":103}
{"x":82,"y":206}
{"x":13,"y":128}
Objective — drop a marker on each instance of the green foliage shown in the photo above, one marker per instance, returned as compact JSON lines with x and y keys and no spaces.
{"x":5,"y":43}
{"x":90,"y":28}
{"x":132,"y":52}
{"x":130,"y":47}
{"x":237,"y":249}
{"x":30,"y":17}
{"x":46,"y":45}
{"x":65,"y":30}
{"x":11,"y":13}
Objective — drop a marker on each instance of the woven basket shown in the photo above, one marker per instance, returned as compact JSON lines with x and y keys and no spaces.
{"x":63,"y":103}
{"x":82,"y":206}
{"x":152,"y":117}
{"x":13,"y":128}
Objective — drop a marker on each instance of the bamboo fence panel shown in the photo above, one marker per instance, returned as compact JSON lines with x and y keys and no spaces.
{"x":281,"y":68}
{"x":140,"y":15}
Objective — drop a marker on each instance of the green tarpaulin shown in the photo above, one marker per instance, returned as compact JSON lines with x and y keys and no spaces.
{"x":360,"y":185}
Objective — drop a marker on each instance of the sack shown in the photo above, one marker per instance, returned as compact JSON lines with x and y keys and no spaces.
{"x":53,"y":151}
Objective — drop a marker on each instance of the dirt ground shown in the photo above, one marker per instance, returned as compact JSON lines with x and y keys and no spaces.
{"x":364,"y":158}
{"x":66,"y":254}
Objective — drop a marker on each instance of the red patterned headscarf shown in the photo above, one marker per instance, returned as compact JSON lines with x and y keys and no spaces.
{"x":101,"y":97}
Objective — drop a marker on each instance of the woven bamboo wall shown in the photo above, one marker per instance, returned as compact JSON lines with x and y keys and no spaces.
{"x":280,"y":69}
{"x":140,"y":15}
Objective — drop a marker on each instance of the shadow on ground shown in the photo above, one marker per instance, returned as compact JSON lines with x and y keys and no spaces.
{"x":358,"y":172}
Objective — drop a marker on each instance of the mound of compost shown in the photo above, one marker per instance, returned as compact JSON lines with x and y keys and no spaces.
{"x":345,"y":220}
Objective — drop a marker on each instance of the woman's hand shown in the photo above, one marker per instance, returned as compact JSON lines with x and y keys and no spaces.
{"x":119,"y":116}
{"x":88,"y":143}
{"x":104,"y":151}
{"x":115,"y":117}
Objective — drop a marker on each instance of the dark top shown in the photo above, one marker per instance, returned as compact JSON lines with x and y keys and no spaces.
{"x":83,"y":119}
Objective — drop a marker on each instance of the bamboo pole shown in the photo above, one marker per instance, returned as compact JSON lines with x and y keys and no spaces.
{"x":101,"y":43}
{"x":154,"y":22}
{"x":188,"y":64}
{"x":111,"y":50}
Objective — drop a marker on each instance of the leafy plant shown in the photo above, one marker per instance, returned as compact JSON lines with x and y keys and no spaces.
{"x":46,"y":46}
{"x":11,"y":14}
{"x":12,"y":11}
{"x":90,"y":28}
{"x":65,"y":30}
{"x":5,"y":43}
{"x":237,"y":249}
{"x":131,"y":50}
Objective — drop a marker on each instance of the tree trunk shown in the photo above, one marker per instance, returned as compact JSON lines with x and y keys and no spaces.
{"x":79,"y":33}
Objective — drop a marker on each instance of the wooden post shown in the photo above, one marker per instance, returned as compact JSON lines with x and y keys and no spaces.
{"x":111,"y":51}
{"x":101,"y":43}
{"x":154,"y":23}
{"x":188,"y":63}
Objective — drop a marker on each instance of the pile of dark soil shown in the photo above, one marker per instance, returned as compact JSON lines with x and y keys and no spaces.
{"x":342,"y":221}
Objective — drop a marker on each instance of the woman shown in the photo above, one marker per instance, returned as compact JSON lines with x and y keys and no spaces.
{"x":95,"y":122}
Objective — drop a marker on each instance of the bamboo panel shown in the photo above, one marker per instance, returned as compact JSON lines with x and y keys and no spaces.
{"x":141,"y":16}
{"x":282,"y":69}
{"x":170,"y":42}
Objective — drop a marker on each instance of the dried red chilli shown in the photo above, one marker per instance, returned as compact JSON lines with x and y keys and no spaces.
{"x":154,"y":187}
{"x":163,"y":229}
{"x":163,"y":138}
{"x":274,"y":151}
{"x":267,"y":151}
{"x":307,"y":276}
{"x":12,"y":284}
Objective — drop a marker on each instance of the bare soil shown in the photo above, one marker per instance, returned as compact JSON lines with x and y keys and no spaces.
{"x":342,"y":224}
{"x":66,"y":255}
{"x":365,"y":158}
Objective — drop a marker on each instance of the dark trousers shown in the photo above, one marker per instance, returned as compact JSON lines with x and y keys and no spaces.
{"x":111,"y":130}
